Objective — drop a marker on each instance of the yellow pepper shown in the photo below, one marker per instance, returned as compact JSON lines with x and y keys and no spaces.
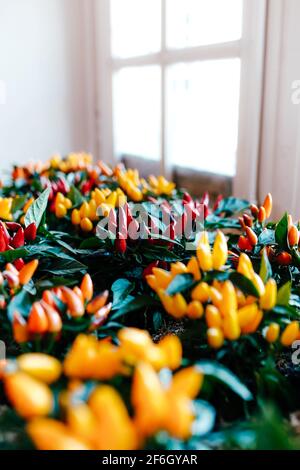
{"x":187,"y":382}
{"x":229,"y":301}
{"x":215,"y":338}
{"x":220,"y":251}
{"x":193,"y":268}
{"x":180,"y":417}
{"x":290,"y":334}
{"x":82,"y":422}
{"x":195,"y":310}
{"x":75,"y":217}
{"x":149,"y":400}
{"x":86,"y":225}
{"x":30,"y":397}
{"x":5,"y":208}
{"x":60,"y":211}
{"x":268,"y":300}
{"x":40,"y":366}
{"x":231,"y":327}
{"x":178,"y":268}
{"x":163,"y":277}
{"x":172,"y":348}
{"x":85,"y":210}
{"x":247,"y":314}
{"x":245,"y":266}
{"x":201,"y":292}
{"x":180,"y":306}
{"x":254,"y":324}
{"x":213,"y":317}
{"x":272,"y":332}
{"x":115,"y":430}
{"x":49,"y":434}
{"x":204,"y":256}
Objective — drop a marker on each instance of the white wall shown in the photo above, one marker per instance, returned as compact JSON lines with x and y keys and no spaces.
{"x":279,"y":171}
{"x":42,"y":61}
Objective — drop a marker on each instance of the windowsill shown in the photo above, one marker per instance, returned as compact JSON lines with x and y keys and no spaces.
{"x":195,"y":181}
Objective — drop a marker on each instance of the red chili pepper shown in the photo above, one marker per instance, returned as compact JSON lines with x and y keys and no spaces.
{"x":54,"y":188}
{"x":5,"y":233}
{"x":19,"y":239}
{"x":12,"y":226}
{"x":147,"y":271}
{"x":205,"y":199}
{"x":251,"y":235}
{"x":51,"y":194}
{"x":63,"y":186}
{"x":244,"y":244}
{"x":187,"y":197}
{"x":128,"y":213}
{"x":247,"y":220}
{"x":121,"y":245}
{"x":30,"y":232}
{"x":170,"y":232}
{"x":19,"y":263}
{"x":87,"y":186}
{"x":206,"y":211}
{"x":52,"y":206}
{"x":284,"y":259}
{"x":3,"y":244}
{"x":217,"y":203}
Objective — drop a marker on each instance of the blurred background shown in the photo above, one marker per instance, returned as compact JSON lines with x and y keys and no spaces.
{"x":205,"y":91}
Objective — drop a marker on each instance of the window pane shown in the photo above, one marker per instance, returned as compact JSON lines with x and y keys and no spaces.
{"x":137,"y":111}
{"x":202,"y":22}
{"x":202,"y":115}
{"x":136,"y":27}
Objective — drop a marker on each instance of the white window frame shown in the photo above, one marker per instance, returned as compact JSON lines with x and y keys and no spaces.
{"x":251,"y":51}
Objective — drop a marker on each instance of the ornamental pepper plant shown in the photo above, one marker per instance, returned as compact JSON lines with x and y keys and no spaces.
{"x":135,"y":316}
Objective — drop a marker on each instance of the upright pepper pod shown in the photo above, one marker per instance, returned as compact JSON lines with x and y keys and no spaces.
{"x":268,"y":300}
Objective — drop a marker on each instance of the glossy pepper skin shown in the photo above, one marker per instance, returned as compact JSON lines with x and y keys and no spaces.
{"x":19,"y":239}
{"x":268,"y":300}
{"x":30,"y":397}
{"x":290,"y":334}
{"x":30,"y":232}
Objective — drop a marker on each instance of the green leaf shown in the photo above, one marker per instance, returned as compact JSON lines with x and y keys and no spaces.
{"x":21,"y":303}
{"x":286,"y":311}
{"x":267,"y":237}
{"x":214,"y":222}
{"x":93,"y":242}
{"x":284,"y":294}
{"x":121,"y":289}
{"x":18,"y":203}
{"x":134,"y":304}
{"x":232,"y":205}
{"x":180,"y":283}
{"x":37,"y":209}
{"x":64,"y":267}
{"x":265,"y":269}
{"x":244,"y":284}
{"x":75,"y":196}
{"x":221,"y":373}
{"x":281,"y":232}
{"x":11,"y":255}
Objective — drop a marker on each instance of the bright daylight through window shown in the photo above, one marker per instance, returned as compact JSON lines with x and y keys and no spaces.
{"x":176,"y":81}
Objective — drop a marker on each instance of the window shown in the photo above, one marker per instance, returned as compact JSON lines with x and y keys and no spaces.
{"x":174,"y":78}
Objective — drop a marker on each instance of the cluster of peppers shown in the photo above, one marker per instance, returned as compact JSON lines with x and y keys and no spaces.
{"x":96,"y":415}
{"x":46,"y":315}
{"x":227,"y":311}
